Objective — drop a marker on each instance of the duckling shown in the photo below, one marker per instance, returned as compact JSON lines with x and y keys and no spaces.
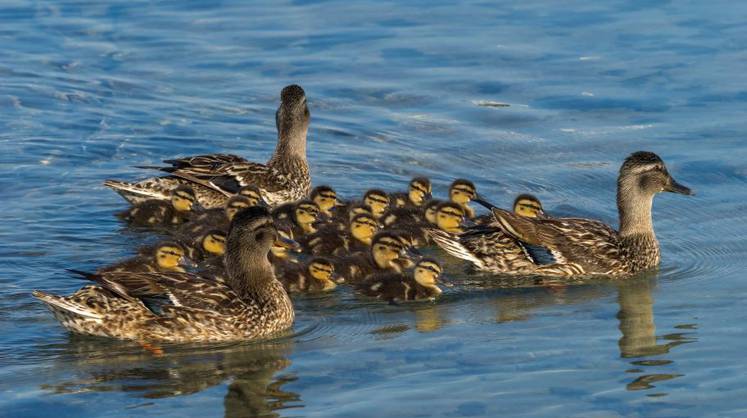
{"x":589,"y":247}
{"x":183,"y":307}
{"x":524,"y":205}
{"x":377,"y":200}
{"x":215,"y":218}
{"x":450,"y":216}
{"x":387,"y":252}
{"x":316,"y":275}
{"x":418,"y":192}
{"x":165,"y":256}
{"x":299,"y":218}
{"x":210,"y":245}
{"x":429,"y":210}
{"x":161,"y":212}
{"x":331,"y":241}
{"x":284,"y":178}
{"x":325,"y":198}
{"x":421,"y":284}
{"x":462,"y":192}
{"x":487,"y":247}
{"x":252,"y":193}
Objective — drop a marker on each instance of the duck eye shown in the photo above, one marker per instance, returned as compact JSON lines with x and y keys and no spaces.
{"x":259,"y":236}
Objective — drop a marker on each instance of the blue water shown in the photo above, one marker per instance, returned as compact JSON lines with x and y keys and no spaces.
{"x":90,"y":89}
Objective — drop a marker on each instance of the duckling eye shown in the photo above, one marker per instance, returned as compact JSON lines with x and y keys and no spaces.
{"x":259,"y":236}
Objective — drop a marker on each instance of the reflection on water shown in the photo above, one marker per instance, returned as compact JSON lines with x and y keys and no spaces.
{"x":254,"y":390}
{"x":639,"y":340}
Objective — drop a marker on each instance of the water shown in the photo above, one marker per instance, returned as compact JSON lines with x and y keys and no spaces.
{"x":90,"y":89}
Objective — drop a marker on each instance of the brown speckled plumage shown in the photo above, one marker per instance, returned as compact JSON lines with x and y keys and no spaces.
{"x":183,"y":307}
{"x":588,"y":247}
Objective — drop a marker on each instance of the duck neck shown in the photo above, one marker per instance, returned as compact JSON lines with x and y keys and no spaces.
{"x":634,"y":209}
{"x":291,"y":144}
{"x":248,"y":274}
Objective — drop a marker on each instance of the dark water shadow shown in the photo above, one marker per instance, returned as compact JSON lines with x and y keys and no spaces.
{"x":256,"y":387}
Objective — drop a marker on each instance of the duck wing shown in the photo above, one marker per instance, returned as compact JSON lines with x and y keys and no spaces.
{"x":589,"y":243}
{"x":172,"y":289}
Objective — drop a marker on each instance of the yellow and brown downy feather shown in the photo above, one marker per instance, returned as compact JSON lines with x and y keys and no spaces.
{"x":315,"y":275}
{"x":420,"y":284}
{"x":284,"y":178}
{"x":164,"y":256}
{"x":178,"y":209}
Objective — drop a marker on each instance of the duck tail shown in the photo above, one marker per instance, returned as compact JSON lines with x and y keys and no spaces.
{"x":450,"y":243}
{"x":64,"y":306}
{"x":136,"y":192}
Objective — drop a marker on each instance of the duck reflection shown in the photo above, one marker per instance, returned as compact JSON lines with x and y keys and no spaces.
{"x":255,"y":388}
{"x":639,"y":340}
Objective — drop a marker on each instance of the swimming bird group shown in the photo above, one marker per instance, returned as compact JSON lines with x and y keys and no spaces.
{"x":243,"y":235}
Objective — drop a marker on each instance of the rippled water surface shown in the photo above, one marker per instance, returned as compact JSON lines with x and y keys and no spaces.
{"x":90,"y":89}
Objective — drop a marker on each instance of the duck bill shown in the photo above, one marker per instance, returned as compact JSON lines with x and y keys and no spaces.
{"x":282,"y":242}
{"x":337,"y":278}
{"x":674,"y":187}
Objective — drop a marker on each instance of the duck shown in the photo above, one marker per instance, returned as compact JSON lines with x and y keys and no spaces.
{"x":325,"y":198}
{"x":180,"y":307}
{"x":388,"y":252}
{"x":586,"y":247}
{"x":462,"y":192}
{"x":420,"y":284}
{"x":153,"y":212}
{"x":487,"y":247}
{"x":333,"y":242}
{"x":316,"y":275}
{"x":419,"y":191}
{"x":297,"y":218}
{"x":164,"y":256}
{"x":284,"y":178}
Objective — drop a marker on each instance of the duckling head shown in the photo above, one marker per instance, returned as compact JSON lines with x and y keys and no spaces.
{"x":170,"y":256}
{"x":326,"y":198}
{"x":214,"y":242}
{"x":358,"y":209}
{"x":363,"y":227}
{"x":183,"y":198}
{"x":430,"y":210}
{"x":449,"y":216}
{"x":386,"y":248}
{"x":292,"y":121}
{"x":378,"y":201}
{"x":323,"y":270}
{"x":462,"y":191}
{"x":252,"y":193}
{"x":529,"y":206}
{"x":279,"y":249}
{"x":235,"y":204}
{"x":305,"y":214}
{"x":427,"y":272}
{"x":419,"y":190}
